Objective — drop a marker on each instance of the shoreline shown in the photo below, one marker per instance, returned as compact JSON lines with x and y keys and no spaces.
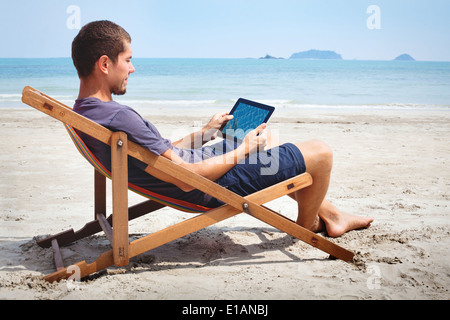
{"x":389,"y":164}
{"x":205,"y":105}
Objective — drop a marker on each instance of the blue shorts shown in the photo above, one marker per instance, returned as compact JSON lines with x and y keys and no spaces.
{"x":262,"y":170}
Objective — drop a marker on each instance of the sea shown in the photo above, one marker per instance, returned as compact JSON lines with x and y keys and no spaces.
{"x":181,"y":84}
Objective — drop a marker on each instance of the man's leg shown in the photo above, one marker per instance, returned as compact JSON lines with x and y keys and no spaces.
{"x":315,"y":212}
{"x":319,"y":162}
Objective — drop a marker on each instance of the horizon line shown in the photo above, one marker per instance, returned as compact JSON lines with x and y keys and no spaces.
{"x":241,"y":58}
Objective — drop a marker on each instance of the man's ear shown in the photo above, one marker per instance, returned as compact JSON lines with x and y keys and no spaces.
{"x":103,"y":63}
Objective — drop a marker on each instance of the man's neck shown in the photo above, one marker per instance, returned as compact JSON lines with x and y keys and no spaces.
{"x":92,"y":89}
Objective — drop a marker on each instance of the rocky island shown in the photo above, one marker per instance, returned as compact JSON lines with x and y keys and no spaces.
{"x":316,"y":54}
{"x":404,"y":57}
{"x":268,"y":56}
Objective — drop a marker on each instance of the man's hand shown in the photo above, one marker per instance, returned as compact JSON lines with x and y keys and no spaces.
{"x":213,"y":126}
{"x":206,"y":134}
{"x":255,"y":140}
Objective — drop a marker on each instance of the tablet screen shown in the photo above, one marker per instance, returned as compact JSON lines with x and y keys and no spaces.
{"x":248,"y":115}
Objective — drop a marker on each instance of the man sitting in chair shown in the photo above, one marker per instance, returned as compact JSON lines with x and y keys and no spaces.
{"x":102,"y":54}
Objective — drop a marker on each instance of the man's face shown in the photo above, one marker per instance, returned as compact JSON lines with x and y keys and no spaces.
{"x":121,"y":70}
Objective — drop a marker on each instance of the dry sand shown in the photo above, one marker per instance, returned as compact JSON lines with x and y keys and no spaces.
{"x":389,"y":164}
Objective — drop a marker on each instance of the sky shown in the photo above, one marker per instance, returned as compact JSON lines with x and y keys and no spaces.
{"x":356,"y":29}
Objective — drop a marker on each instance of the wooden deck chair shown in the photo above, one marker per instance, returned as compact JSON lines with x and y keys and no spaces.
{"x":116,"y":226}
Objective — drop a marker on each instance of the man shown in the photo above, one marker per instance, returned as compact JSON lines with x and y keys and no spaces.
{"x":102,"y":55}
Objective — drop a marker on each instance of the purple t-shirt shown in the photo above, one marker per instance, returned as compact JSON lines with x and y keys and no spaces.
{"x":117,"y":117}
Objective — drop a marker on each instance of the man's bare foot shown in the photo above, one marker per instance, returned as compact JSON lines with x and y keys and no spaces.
{"x":337,"y":223}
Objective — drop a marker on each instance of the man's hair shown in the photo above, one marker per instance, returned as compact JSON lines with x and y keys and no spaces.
{"x":94,"y":40}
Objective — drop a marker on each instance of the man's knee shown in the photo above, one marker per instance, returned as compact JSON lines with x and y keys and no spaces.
{"x":317,"y":154}
{"x":324,"y":154}
{"x":324,"y":150}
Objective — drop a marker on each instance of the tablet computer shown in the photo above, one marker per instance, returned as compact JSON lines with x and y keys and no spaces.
{"x":248,"y":115}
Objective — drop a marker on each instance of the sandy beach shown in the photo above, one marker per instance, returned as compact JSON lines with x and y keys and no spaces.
{"x":389,"y":164}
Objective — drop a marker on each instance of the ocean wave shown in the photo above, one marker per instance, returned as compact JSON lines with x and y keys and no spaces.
{"x":10,"y":97}
{"x":167,"y":102}
{"x":18,"y":97}
{"x":15,"y":99}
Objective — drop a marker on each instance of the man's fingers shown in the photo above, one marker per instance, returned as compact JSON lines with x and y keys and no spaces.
{"x":260,"y":128}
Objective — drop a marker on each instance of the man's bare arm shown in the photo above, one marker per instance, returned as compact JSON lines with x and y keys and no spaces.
{"x":215,"y":167}
{"x":207,"y":133}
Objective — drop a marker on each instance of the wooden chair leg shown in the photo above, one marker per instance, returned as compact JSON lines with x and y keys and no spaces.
{"x":119,"y":166}
{"x":99,"y":194}
{"x":100,"y":204}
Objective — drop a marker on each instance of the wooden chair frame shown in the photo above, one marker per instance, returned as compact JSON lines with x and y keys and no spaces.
{"x":122,"y":249}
